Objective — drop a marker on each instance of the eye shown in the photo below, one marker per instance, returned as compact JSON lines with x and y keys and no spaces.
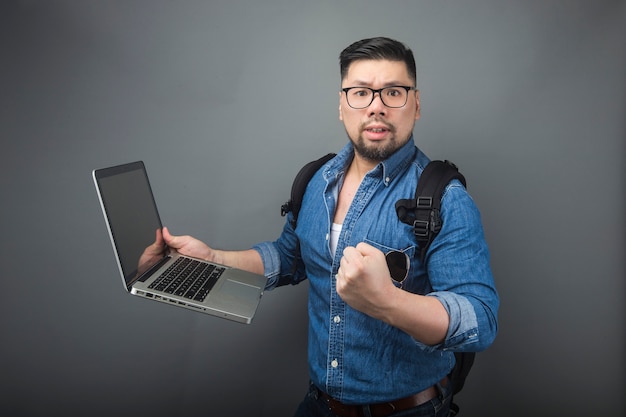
{"x":393,"y":92}
{"x":360,"y":92}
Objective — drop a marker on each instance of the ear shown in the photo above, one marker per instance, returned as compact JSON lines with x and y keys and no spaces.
{"x":340,"y":112}
{"x":417,"y":105}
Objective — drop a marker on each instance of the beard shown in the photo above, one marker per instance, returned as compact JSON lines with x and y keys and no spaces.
{"x":376,"y":152}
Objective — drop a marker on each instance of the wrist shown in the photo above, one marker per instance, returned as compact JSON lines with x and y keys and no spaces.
{"x":215,"y":256}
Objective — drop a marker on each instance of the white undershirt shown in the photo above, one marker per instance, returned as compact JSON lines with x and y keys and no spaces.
{"x":335,"y":231}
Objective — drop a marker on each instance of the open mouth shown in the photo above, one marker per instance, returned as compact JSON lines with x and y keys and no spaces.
{"x":377,"y":132}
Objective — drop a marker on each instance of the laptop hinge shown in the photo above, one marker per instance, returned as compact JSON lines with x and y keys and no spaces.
{"x":143,"y":277}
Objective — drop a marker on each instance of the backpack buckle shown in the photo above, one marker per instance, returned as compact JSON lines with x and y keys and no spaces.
{"x":435,"y":221}
{"x":285,"y":208}
{"x":421,"y":228}
{"x":423,"y":203}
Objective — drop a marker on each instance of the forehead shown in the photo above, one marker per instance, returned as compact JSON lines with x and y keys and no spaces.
{"x":374,"y":73}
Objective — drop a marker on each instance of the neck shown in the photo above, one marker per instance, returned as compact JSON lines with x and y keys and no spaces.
{"x":361,"y":166}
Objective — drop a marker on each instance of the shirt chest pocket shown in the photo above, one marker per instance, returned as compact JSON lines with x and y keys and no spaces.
{"x":416,"y":281}
{"x":404,"y":247}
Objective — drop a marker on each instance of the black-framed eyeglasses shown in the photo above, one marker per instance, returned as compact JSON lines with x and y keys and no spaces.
{"x":393,"y":96}
{"x":398,"y":263}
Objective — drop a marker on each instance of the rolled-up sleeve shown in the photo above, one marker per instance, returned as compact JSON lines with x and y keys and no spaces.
{"x":271,"y":263}
{"x":460,"y":274}
{"x":279,"y":257}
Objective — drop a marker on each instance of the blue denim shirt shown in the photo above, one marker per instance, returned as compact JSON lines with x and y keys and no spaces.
{"x":352,"y":356}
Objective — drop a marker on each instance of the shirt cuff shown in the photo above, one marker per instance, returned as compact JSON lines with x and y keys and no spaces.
{"x":463,"y":327}
{"x":271,"y":263}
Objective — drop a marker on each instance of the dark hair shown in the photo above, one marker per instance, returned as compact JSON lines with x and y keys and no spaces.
{"x":378,"y":49}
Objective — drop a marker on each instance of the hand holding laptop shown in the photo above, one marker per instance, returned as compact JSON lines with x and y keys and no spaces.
{"x":189,"y":246}
{"x":247,"y":260}
{"x":152,"y":253}
{"x":177,"y":270}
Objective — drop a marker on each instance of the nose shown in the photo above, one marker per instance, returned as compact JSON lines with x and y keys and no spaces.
{"x":377,"y":106}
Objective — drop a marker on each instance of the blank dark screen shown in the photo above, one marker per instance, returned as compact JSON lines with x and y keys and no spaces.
{"x":132,"y":216}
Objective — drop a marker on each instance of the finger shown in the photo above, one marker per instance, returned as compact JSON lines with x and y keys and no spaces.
{"x":365,"y":249}
{"x":351,"y":254}
{"x":351,"y":264}
{"x":370,"y":254}
{"x":159,"y":238}
{"x":345,"y":264}
{"x":169,"y":238}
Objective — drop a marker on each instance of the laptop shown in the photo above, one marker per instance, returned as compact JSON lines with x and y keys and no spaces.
{"x":134,"y":224}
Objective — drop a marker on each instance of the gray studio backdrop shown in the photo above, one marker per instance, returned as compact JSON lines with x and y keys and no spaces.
{"x":224,"y":101}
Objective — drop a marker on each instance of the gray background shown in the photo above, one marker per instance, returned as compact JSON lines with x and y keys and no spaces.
{"x":231,"y":98}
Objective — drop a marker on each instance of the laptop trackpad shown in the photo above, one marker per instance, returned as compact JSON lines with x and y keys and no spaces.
{"x":233,"y":293}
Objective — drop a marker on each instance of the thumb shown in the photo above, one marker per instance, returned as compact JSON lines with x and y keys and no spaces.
{"x":169,"y":238}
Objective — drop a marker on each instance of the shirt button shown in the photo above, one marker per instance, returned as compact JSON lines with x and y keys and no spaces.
{"x":327,"y":237}
{"x":334,"y":363}
{"x":337,"y":319}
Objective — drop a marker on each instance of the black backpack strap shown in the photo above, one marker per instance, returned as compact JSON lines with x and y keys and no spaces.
{"x":299,"y":186}
{"x":422,"y":212}
{"x":464,"y":362}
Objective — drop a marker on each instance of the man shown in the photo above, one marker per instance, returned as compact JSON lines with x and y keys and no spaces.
{"x":377,"y":346}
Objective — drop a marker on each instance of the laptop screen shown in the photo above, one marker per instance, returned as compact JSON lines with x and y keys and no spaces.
{"x":132,"y":216}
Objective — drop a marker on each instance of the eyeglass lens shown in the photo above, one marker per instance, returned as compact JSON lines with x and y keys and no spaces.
{"x":361,"y":97}
{"x":398,"y":263}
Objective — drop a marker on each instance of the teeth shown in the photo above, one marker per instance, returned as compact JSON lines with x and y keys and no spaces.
{"x":376,"y":130}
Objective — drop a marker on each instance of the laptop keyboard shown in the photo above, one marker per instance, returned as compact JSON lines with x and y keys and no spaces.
{"x":188,"y":278}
